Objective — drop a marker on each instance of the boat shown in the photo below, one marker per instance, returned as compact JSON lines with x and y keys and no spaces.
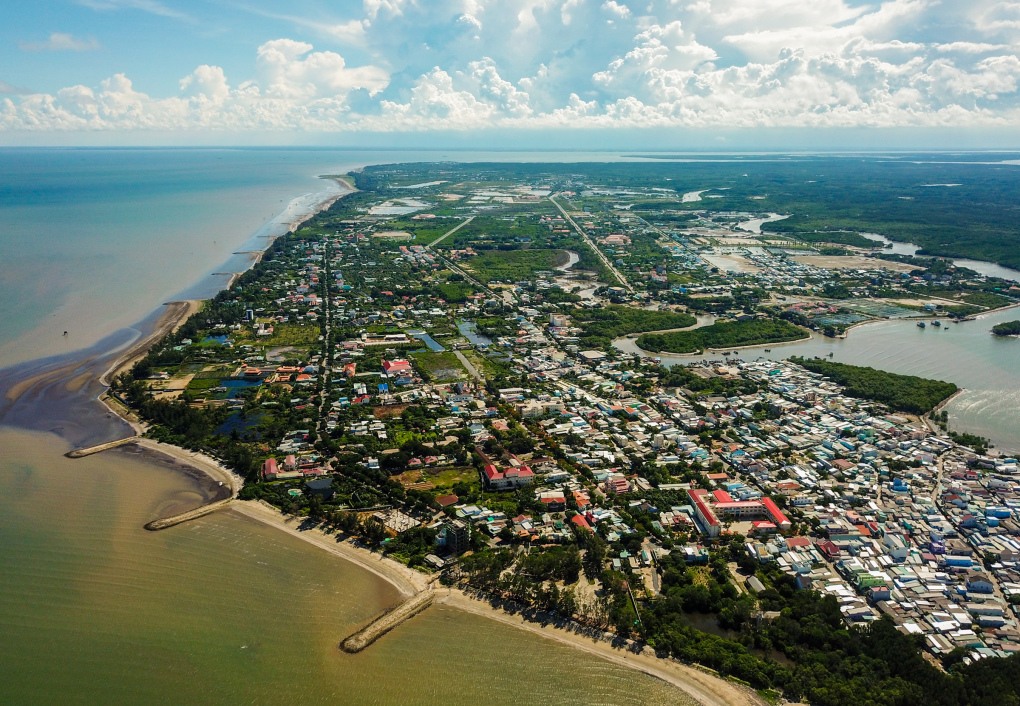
{"x":936,"y":323}
{"x":920,"y":324}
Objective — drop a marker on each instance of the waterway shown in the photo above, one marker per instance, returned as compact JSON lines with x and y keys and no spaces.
{"x":988,"y":269}
{"x":469,"y":331}
{"x":754,"y":225}
{"x":572,"y":259}
{"x":986,"y":366}
{"x":431,"y":343}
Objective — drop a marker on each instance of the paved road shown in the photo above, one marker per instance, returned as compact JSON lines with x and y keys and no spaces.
{"x":591,"y":244}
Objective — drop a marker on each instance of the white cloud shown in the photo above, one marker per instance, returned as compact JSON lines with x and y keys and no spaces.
{"x":153,"y":7}
{"x":435,"y":104}
{"x":616,"y":9}
{"x":61,"y":41}
{"x":387,"y":8}
{"x":611,"y":64}
{"x":970,"y":48}
{"x":290,"y":69}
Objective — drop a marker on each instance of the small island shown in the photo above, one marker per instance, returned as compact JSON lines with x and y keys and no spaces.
{"x":1007,"y":328}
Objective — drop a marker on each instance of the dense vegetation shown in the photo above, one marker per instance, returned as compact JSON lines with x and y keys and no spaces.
{"x":681,"y":376}
{"x":722,"y":335}
{"x":513,"y":266}
{"x":904,"y":393}
{"x":976,"y":219}
{"x":600,"y":326}
{"x":1007,"y":328}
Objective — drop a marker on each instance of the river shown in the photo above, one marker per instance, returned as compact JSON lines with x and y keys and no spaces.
{"x":754,"y":225}
{"x":988,"y":269}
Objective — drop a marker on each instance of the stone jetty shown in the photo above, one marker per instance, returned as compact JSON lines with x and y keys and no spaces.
{"x":387,"y":621}
{"x":185,"y":516}
{"x":89,"y":450}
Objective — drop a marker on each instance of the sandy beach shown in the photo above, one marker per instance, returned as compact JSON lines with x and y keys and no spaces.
{"x":701,"y":685}
{"x":172,"y":318}
{"x":59,"y":395}
{"x":407,"y":581}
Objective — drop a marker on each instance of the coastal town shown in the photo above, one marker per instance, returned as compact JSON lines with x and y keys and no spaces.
{"x":481,"y":373}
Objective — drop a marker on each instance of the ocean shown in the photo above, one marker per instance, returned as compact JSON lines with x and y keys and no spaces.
{"x":223,"y":610}
{"x":93,"y":609}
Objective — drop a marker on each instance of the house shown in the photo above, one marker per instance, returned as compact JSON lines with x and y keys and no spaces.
{"x":979,"y":583}
{"x":396,"y":367}
{"x":509,"y":479}
{"x":269,"y":469}
{"x":321,"y":488}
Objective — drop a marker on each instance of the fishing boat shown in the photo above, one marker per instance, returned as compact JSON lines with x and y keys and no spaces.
{"x":920,"y":324}
{"x":936,"y":324}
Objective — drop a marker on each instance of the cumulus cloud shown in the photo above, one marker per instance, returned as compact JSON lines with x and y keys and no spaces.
{"x":61,"y":41}
{"x":609,"y":64}
{"x":616,"y":9}
{"x":290,"y":69}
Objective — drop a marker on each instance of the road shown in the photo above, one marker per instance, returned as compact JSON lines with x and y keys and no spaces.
{"x":469,"y":366}
{"x":327,"y":361}
{"x":591,"y":244}
{"x":450,"y":232}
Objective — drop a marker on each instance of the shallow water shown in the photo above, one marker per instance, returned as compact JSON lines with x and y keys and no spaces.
{"x":227,"y":610}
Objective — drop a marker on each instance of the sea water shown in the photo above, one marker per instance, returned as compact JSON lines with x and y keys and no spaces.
{"x":226,"y":610}
{"x":93,"y":608}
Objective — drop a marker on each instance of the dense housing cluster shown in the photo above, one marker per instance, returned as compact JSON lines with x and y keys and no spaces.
{"x":451,"y":365}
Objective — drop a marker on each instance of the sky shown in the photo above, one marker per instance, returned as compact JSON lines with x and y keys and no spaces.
{"x":697,"y":74}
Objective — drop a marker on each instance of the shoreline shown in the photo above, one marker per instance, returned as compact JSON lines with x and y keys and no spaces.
{"x":698,"y":683}
{"x":705,"y":687}
{"x":407,"y":582}
{"x":713,"y":351}
{"x":174,"y":316}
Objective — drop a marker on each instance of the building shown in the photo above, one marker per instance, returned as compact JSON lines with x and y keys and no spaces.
{"x":456,"y":536}
{"x":510,"y":479}
{"x":707,"y":521}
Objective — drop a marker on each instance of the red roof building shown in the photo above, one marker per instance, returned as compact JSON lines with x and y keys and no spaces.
{"x":393,"y":367}
{"x":581,"y":522}
{"x":781,"y":520}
